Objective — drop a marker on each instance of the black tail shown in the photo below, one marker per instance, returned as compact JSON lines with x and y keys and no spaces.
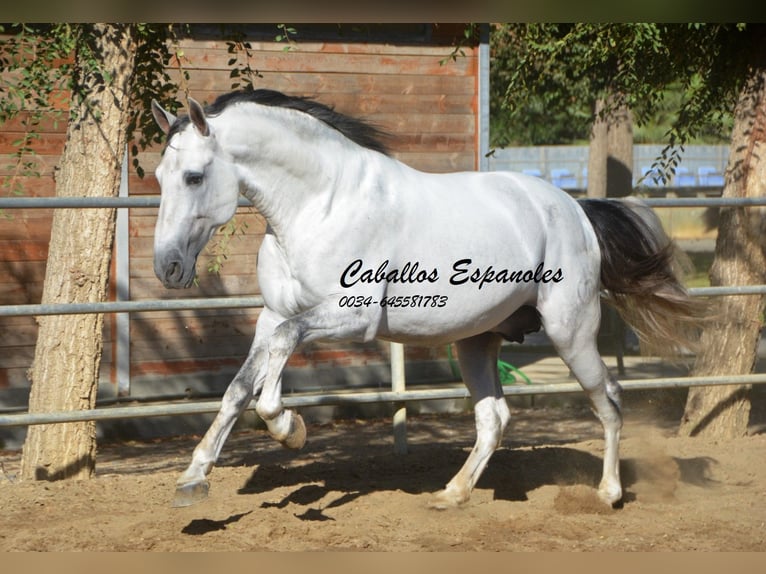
{"x":639,"y":274}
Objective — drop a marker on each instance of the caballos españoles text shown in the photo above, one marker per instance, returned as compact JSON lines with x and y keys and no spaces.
{"x":463,"y":272}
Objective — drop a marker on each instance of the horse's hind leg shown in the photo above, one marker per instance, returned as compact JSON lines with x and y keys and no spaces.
{"x":573,"y":333}
{"x":478,"y":364}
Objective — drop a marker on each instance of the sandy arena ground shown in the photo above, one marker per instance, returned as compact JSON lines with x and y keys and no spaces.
{"x":347,"y":490}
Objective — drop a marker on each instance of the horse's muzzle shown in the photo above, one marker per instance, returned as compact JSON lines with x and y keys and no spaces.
{"x":174,"y":272}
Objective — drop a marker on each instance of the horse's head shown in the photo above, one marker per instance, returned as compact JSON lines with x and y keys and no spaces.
{"x":199,"y":192}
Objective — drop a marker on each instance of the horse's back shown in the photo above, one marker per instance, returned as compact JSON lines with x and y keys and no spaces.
{"x":539,"y":217}
{"x":496,"y":241}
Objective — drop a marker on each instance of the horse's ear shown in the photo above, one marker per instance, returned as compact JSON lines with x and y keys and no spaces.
{"x":197,"y":116}
{"x":163,"y":118}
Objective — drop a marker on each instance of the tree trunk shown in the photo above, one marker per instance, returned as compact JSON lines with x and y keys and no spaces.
{"x":610,"y":153}
{"x":730,"y":341}
{"x":598,"y":151}
{"x":64,"y":374}
{"x":619,"y":160}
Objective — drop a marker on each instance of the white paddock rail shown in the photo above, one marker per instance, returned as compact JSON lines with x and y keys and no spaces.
{"x":398,"y":394}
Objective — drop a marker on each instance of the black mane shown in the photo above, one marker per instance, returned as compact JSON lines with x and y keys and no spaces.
{"x":358,"y":131}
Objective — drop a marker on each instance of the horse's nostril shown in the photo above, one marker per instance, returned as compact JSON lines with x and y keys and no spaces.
{"x":173,"y":271}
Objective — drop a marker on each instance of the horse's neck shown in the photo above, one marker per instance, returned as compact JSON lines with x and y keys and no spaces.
{"x":288,"y":163}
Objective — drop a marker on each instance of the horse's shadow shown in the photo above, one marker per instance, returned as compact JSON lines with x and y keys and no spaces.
{"x":512,"y":474}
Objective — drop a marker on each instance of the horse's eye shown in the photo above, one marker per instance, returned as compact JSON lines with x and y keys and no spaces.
{"x":192,"y":178}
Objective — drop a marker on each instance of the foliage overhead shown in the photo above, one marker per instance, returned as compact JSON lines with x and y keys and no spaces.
{"x":547,"y":71}
{"x":38,"y":61}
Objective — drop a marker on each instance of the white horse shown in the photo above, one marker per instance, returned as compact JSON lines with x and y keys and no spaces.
{"x":361,"y":246}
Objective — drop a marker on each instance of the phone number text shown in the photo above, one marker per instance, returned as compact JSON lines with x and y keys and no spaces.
{"x":411,"y":301}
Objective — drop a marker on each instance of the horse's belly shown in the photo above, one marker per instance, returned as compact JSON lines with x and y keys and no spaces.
{"x":449,"y":316}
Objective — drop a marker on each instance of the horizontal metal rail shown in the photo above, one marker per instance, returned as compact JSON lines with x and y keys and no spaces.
{"x":295,"y":401}
{"x":132,"y":306}
{"x":727,"y":290}
{"x":88,"y":202}
{"x":247,"y":303}
{"x":704,"y":201}
{"x":154,"y":201}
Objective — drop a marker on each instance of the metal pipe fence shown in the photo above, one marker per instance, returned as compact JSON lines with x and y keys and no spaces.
{"x":138,"y":201}
{"x":397,"y":395}
{"x":357,"y":398}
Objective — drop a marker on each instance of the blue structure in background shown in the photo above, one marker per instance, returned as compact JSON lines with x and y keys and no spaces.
{"x":701,"y":166}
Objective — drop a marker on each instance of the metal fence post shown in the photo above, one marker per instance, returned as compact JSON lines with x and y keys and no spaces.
{"x":398,"y":386}
{"x":122,"y":272}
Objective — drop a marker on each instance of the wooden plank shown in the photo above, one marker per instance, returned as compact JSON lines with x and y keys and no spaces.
{"x":44,"y":144}
{"x":25,"y":224}
{"x":17,"y":357}
{"x":170,"y":348}
{"x":145,"y":287}
{"x":319,"y":85}
{"x":17,"y":332}
{"x":32,"y":186}
{"x":21,"y":353}
{"x":26,"y":294}
{"x":328,"y":47}
{"x":164,"y":369}
{"x":43,"y":164}
{"x":440,"y":162}
{"x":435,"y":142}
{"x":233,"y":315}
{"x":240,"y":264}
{"x":23,"y":250}
{"x":21,"y":282}
{"x":17,"y":377}
{"x":14,"y":378}
{"x":202,"y":346}
{"x":21,"y":271}
{"x":363,"y":63}
{"x":223,"y":322}
{"x":47,"y":124}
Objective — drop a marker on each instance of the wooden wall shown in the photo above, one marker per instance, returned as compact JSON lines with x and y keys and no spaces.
{"x":392,"y":77}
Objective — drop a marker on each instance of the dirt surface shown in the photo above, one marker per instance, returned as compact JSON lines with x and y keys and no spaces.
{"x":346,"y":490}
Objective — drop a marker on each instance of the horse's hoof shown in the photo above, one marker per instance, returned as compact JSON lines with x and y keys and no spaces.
{"x":610,"y":497}
{"x":445,"y":500}
{"x":296,"y":438}
{"x":191,"y":493}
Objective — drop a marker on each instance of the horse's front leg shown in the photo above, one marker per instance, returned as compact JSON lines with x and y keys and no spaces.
{"x":325,"y":322}
{"x":192,"y":486}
